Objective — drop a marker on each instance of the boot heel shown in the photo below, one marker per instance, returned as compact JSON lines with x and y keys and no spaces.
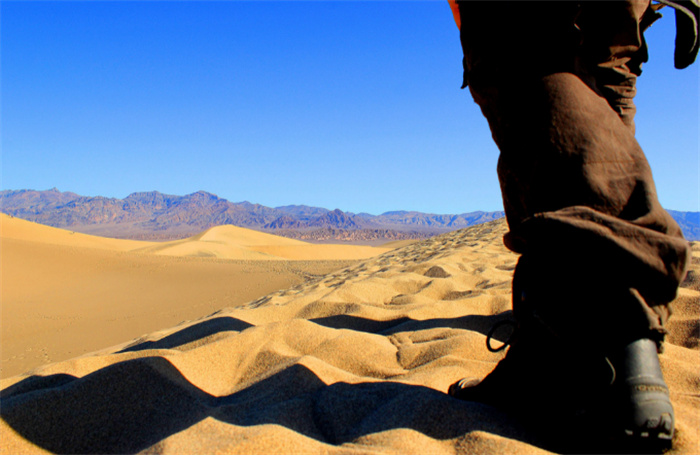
{"x":646,"y":413}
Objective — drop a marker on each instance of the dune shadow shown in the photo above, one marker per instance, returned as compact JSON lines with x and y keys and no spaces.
{"x":36,"y":383}
{"x":339,"y":413}
{"x":122,"y":408}
{"x":476,"y":323}
{"x":129,"y":406}
{"x":359,"y":324}
{"x":192,"y":333}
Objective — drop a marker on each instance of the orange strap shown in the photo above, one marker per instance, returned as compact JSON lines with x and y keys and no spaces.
{"x":455,"y":12}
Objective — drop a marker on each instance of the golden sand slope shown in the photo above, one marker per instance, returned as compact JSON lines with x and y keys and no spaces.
{"x":223,"y":242}
{"x":355,"y":362}
{"x":19,"y":229}
{"x":65,"y":294}
{"x":231,"y":242}
{"x":228,"y":242}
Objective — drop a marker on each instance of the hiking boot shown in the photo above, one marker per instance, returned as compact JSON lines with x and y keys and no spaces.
{"x":639,"y":396}
{"x":543,"y":371}
{"x":560,"y":377}
{"x":579,"y":405}
{"x":539,"y":377}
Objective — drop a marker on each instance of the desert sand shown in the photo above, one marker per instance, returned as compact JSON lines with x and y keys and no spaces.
{"x":353,"y":362}
{"x":65,"y":294}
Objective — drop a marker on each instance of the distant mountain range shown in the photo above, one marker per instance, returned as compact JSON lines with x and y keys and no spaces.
{"x":157,"y":216}
{"x":689,"y":223}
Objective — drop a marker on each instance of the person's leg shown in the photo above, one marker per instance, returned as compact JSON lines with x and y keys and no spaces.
{"x":601,"y":258}
{"x":579,"y":196}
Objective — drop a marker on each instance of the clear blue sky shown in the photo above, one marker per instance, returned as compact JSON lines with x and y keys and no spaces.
{"x":352,"y":105}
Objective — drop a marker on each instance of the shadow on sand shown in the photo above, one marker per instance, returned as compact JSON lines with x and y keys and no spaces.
{"x":129,"y":406}
{"x":191,"y":334}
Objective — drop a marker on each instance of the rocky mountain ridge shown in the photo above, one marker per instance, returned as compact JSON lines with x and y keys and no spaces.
{"x":157,"y":216}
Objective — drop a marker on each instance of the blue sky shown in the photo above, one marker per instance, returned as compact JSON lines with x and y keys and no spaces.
{"x":348,"y":104}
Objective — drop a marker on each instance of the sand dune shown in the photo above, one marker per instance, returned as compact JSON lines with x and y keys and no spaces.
{"x":353,"y":362}
{"x":231,"y":242}
{"x":18,"y":229}
{"x":226,"y":242}
{"x":223,"y":242}
{"x":65,"y":294}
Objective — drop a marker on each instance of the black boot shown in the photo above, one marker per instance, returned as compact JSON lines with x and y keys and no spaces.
{"x":543,"y":369}
{"x":568,"y":386}
{"x":542,"y":380}
{"x":642,"y":410}
{"x":576,"y":405}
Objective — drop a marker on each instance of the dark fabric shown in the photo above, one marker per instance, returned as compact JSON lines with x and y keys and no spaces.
{"x":556,"y":82}
{"x":687,"y":31}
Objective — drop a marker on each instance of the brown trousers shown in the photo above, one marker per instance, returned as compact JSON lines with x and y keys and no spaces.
{"x":600,"y":257}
